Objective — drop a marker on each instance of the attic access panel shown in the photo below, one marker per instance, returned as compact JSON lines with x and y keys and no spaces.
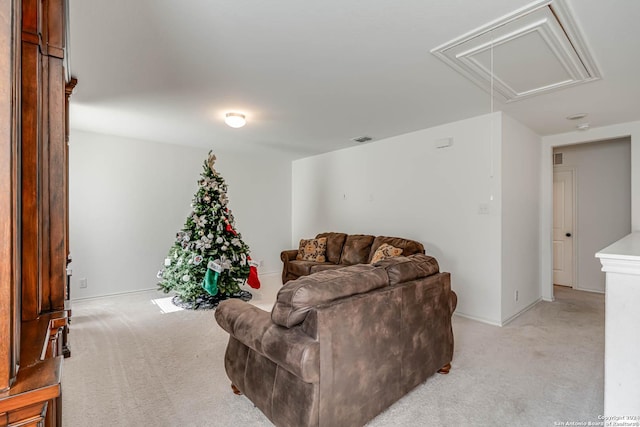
{"x":534,"y":50}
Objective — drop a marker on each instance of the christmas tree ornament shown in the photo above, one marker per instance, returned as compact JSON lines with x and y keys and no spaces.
{"x":231,"y":230}
{"x":225,"y":263}
{"x":211,"y":161}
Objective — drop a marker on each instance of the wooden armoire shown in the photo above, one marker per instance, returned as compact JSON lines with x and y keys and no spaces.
{"x":34,"y":91}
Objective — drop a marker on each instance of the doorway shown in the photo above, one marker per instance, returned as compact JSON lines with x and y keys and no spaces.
{"x":591,"y":208}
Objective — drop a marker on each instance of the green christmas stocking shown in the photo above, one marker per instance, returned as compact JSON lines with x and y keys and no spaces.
{"x":211,"y":277}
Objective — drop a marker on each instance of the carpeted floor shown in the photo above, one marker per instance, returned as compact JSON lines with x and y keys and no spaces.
{"x":137,"y":363}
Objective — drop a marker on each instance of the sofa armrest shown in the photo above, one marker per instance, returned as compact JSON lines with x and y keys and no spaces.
{"x":291,"y":349}
{"x":286,"y":257}
{"x":289,"y":255}
{"x":453,"y":301}
{"x":245,"y":322}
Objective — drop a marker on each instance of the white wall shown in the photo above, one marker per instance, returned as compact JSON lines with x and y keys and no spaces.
{"x":128,"y":198}
{"x":520,"y":217}
{"x":403,"y":186}
{"x":632,"y":130}
{"x":603,"y":202}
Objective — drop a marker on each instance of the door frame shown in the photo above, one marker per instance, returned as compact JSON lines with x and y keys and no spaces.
{"x":622,"y":130}
{"x":574,"y":232}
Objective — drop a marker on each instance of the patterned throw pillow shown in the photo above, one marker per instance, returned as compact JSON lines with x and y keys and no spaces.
{"x":312,"y":249}
{"x":385,"y":251}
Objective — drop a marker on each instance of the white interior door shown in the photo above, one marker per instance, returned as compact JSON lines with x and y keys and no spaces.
{"x":563,"y":205}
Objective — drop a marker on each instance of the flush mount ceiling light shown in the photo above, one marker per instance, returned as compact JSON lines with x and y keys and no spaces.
{"x":235,"y":120}
{"x":577,"y":116}
{"x":583,"y":126}
{"x":362,"y":139}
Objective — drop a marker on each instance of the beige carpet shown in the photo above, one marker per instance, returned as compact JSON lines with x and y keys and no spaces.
{"x":134,"y":365}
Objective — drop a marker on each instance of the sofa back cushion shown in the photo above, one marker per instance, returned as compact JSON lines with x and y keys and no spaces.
{"x":409,"y":247}
{"x":404,"y":269}
{"x":335,"y":242}
{"x":356,"y":249}
{"x":297,"y":297}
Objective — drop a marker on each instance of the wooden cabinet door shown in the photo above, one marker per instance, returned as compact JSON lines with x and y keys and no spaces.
{"x":10,"y":18}
{"x":43,"y":177}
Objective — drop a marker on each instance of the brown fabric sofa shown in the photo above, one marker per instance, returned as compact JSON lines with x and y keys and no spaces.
{"x":340,"y":346}
{"x":343,"y":250}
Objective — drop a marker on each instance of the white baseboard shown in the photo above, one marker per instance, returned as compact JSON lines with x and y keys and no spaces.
{"x":115,"y":294}
{"x":266,"y":275}
{"x":477,"y":319}
{"x":269,"y":273}
{"x":493,"y":322}
{"x":527,"y":308}
{"x":595,"y":291}
{"x":271,"y":279}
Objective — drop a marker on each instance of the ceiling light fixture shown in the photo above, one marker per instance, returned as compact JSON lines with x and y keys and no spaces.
{"x":583,"y":126}
{"x":577,"y":116}
{"x":361,"y":139}
{"x":235,"y":120}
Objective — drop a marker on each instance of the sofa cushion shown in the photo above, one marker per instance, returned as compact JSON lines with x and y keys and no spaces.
{"x":356,"y":249}
{"x":409,"y":247}
{"x":385,"y":251}
{"x":403,"y":269}
{"x":312,"y":250}
{"x":325,"y":266}
{"x":335,"y":242}
{"x":297,"y":297}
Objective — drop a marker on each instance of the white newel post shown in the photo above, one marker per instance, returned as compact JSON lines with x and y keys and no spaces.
{"x":621,"y":263}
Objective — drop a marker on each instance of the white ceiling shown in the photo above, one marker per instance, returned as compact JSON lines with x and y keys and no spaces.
{"x":310,"y":75}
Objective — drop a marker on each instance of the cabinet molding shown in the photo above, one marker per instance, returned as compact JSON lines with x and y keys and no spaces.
{"x":33,"y":210}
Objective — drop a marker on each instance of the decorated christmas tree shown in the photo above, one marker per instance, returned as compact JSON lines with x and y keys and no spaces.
{"x":208,"y":261}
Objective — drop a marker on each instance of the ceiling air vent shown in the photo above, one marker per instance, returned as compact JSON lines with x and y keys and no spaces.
{"x":361,"y":139}
{"x":536,"y":49}
{"x":557,"y":159}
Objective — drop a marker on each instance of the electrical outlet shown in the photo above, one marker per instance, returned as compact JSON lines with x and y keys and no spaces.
{"x":483,"y":209}
{"x":515,"y":295}
{"x":83,"y":283}
{"x":261,"y":263}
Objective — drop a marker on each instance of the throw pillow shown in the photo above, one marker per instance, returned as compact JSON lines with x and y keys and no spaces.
{"x":312,"y":250}
{"x":385,"y":251}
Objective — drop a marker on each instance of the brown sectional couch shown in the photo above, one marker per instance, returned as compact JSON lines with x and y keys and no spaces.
{"x":344,"y":250}
{"x":340,"y":346}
